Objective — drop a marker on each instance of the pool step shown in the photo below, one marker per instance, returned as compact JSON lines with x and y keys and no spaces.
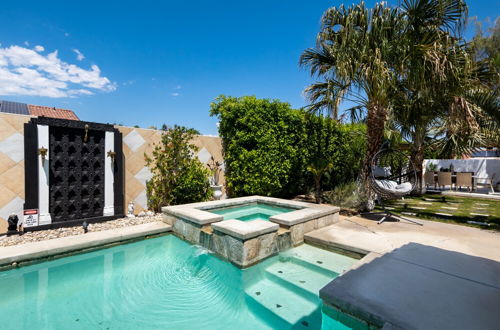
{"x":321,"y":260}
{"x":299,"y":278}
{"x":293,"y":309}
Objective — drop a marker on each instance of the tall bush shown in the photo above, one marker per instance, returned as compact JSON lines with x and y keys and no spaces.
{"x":262,"y":145}
{"x":268,"y":147}
{"x":178,"y":176}
{"x":342,"y":145}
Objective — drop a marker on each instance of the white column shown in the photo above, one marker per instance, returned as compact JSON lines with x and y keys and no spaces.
{"x":43,"y":177}
{"x":109,"y":179}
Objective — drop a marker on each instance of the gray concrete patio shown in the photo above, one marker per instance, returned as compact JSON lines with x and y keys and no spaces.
{"x":365,"y":235}
{"x":435,"y":276}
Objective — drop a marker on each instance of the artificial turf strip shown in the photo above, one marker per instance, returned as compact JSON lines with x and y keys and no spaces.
{"x":452,"y":209}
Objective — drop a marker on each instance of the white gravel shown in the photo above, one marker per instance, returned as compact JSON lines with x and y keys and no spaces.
{"x":41,"y":235}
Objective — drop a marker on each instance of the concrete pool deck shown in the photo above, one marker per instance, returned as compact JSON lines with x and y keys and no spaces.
{"x":365,"y":235}
{"x":41,"y":250}
{"x":435,"y":276}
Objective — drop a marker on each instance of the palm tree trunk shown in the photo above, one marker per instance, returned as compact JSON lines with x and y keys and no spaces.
{"x":376,"y":118}
{"x":318,"y":189}
{"x":417,"y":156}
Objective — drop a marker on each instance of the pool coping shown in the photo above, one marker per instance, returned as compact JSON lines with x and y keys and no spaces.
{"x":245,"y":229}
{"x":11,"y":256}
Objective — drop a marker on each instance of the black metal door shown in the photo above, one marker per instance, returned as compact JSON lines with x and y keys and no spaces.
{"x":76,"y":180}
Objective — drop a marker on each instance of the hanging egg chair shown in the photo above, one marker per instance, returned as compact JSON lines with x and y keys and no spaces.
{"x":392,"y":176}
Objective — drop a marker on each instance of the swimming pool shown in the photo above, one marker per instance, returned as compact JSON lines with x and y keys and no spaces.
{"x":167,"y":283}
{"x":255,"y":211}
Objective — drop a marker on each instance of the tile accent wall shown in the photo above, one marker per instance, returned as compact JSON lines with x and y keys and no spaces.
{"x":11,"y":166}
{"x":136,"y":142}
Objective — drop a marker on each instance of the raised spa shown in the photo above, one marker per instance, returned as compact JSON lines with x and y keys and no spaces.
{"x":246,"y":230}
{"x":254,"y":211}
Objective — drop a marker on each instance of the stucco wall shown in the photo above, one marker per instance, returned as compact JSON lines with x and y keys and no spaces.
{"x":136,"y":142}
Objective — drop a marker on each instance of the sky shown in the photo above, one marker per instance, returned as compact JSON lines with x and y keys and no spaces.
{"x":150,"y":63}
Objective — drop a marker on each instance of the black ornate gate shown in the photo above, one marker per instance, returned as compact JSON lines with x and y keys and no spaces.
{"x":76,"y":173}
{"x":78,"y":163}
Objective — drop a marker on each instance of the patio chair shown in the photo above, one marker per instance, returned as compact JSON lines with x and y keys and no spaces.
{"x":430,"y":179}
{"x":464,"y":179}
{"x":392,"y":186}
{"x":444,"y":179}
{"x":488,"y":183}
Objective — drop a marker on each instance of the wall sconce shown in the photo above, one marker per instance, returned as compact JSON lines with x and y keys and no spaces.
{"x":86,"y":137}
{"x":112,"y":155}
{"x":43,"y":153}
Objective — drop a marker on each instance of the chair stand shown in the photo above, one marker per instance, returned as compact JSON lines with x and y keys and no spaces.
{"x":389,"y":215}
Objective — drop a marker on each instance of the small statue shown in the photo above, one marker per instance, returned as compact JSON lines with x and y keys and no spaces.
{"x":130,"y":210}
{"x":12,"y":221}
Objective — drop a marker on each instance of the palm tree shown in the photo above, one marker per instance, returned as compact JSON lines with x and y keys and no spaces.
{"x":318,"y":169}
{"x":405,"y":63}
{"x":354,"y":55}
{"x":440,"y":84}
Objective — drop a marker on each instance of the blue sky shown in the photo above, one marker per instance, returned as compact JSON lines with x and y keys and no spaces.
{"x":148,"y":63}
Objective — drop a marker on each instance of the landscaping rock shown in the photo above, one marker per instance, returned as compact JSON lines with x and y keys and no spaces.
{"x":35,"y":236}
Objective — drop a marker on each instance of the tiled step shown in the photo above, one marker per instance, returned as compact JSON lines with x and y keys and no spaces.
{"x":324,"y":261}
{"x":292,"y":309}
{"x":298,"y":278}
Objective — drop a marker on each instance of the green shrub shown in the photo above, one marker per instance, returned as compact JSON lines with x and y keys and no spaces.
{"x":178,"y":177}
{"x":262,"y":145}
{"x":348,"y":195}
{"x":268,"y":147}
{"x":343,"y":145}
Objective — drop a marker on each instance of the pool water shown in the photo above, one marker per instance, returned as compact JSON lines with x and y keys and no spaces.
{"x":166,"y":283}
{"x":259,"y":211}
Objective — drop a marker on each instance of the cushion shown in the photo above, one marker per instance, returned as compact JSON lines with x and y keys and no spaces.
{"x":387,"y":184}
{"x":381,"y":172}
{"x":405,"y":187}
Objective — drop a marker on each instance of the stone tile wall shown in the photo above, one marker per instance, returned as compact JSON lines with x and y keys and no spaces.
{"x":136,"y":142}
{"x":11,"y":166}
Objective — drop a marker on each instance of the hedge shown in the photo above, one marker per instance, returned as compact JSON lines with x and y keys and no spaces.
{"x":267,"y":146}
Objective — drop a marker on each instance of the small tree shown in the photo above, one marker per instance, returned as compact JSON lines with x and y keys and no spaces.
{"x":178,"y":176}
{"x":318,"y":169}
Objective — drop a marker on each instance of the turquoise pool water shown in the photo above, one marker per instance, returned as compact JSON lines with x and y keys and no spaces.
{"x":257,"y":211}
{"x":166,"y":283}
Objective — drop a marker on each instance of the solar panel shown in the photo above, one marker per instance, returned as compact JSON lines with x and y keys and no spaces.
{"x":14,"y":107}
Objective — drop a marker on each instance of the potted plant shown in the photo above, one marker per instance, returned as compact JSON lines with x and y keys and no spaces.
{"x":215,"y":169}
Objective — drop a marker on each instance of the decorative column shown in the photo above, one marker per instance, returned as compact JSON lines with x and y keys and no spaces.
{"x":43,"y":175}
{"x":109,"y":178}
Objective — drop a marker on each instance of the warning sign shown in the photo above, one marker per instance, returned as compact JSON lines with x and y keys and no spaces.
{"x":30,"y":218}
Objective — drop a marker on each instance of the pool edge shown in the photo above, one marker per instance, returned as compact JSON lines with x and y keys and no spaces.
{"x":29,"y":253}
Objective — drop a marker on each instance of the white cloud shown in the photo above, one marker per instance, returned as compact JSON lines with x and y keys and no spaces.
{"x":25,"y":71}
{"x":175,"y":94}
{"x":79,"y":55}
